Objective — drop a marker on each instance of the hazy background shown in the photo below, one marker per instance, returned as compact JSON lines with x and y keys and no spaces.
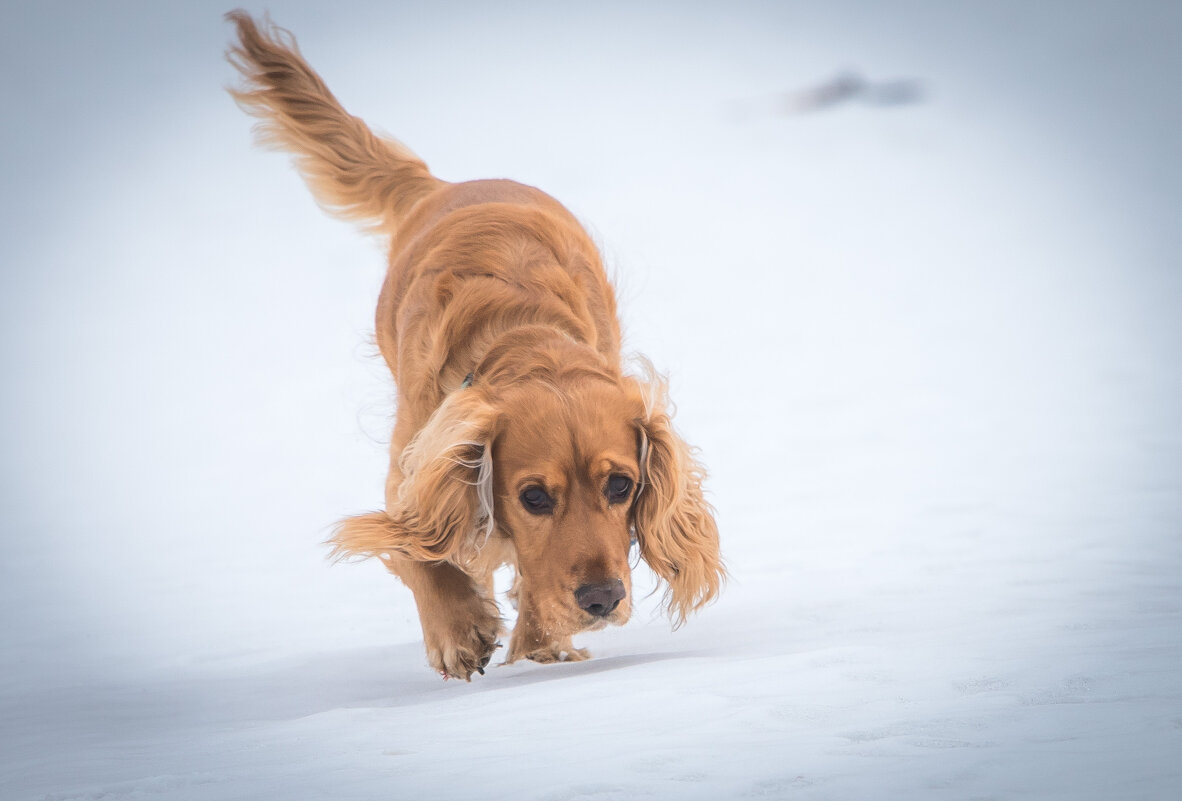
{"x":930,"y":347}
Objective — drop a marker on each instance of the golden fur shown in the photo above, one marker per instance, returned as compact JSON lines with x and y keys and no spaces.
{"x":496,"y":281}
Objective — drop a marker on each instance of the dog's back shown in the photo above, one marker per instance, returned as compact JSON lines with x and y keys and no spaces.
{"x":467,"y":260}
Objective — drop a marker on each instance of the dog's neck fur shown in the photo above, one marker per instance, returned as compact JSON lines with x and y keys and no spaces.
{"x":540,"y":352}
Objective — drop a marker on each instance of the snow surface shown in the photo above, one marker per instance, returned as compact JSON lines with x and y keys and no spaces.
{"x":930,"y":352}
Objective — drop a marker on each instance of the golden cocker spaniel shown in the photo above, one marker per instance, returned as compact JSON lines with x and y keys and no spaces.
{"x":519,"y":440}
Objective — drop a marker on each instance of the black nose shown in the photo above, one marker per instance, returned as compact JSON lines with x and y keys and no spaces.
{"x":600,"y":599}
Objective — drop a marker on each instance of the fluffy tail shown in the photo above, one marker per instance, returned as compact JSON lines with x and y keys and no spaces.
{"x":353,"y":173}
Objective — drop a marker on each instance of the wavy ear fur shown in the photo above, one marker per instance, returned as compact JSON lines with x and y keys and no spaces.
{"x":674,"y":525}
{"x":446,"y":495}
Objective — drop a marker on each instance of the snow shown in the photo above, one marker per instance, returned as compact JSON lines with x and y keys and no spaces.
{"x":929,"y":352}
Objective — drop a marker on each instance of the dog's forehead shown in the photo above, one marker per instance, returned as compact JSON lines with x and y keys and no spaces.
{"x":582,"y":428}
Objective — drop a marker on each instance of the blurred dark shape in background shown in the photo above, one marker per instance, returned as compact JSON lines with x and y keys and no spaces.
{"x":849,"y":87}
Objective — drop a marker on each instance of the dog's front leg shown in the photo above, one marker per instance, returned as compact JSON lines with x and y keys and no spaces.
{"x":532,"y":639}
{"x":460,"y":619}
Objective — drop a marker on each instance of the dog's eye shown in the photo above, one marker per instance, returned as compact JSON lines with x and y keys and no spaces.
{"x":619,"y":489}
{"x":536,"y":501}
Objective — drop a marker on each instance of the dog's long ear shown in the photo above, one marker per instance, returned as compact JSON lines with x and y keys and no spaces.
{"x":674,"y":524}
{"x":444,"y":506}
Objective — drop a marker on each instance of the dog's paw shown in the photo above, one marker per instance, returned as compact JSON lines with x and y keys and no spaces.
{"x":463,"y":645}
{"x":554,"y":652}
{"x":462,"y":662}
{"x":575,"y":655}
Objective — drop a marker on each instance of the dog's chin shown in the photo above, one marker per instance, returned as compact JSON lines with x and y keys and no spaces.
{"x":617,"y":618}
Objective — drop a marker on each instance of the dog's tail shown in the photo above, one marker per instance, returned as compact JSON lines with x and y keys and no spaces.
{"x":353,"y":173}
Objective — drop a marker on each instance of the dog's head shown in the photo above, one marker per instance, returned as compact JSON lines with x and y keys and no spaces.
{"x":569,"y":460}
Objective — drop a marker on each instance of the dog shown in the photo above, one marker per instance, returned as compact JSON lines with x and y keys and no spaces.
{"x":519,"y":439}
